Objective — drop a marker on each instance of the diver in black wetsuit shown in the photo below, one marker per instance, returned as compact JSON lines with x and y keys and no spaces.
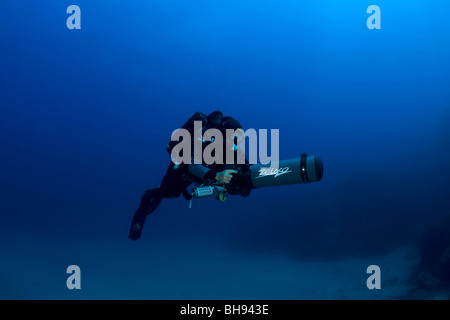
{"x":179,"y":177}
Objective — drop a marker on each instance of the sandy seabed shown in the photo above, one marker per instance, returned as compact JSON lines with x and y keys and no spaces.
{"x":175,"y":270}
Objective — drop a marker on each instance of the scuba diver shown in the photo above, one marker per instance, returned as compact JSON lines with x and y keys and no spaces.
{"x":236,"y":176}
{"x":179,"y":176}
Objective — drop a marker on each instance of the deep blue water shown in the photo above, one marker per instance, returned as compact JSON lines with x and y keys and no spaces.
{"x":86,"y":115}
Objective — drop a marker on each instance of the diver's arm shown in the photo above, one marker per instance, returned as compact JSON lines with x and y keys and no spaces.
{"x":205,"y":173}
{"x":202,"y":172}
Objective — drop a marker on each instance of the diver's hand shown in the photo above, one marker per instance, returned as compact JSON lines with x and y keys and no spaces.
{"x":225,"y":176}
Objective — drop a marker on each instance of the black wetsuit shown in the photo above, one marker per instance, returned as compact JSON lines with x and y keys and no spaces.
{"x":173,"y":185}
{"x":175,"y":182}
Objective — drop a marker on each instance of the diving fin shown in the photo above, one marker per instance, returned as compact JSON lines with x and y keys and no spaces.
{"x":149,"y":202}
{"x":136,"y":227}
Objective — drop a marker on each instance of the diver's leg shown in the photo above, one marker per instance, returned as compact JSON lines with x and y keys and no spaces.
{"x":170,"y":188}
{"x":149,"y":202}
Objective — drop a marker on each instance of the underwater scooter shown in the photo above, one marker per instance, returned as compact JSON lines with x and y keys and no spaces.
{"x":305,"y":169}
